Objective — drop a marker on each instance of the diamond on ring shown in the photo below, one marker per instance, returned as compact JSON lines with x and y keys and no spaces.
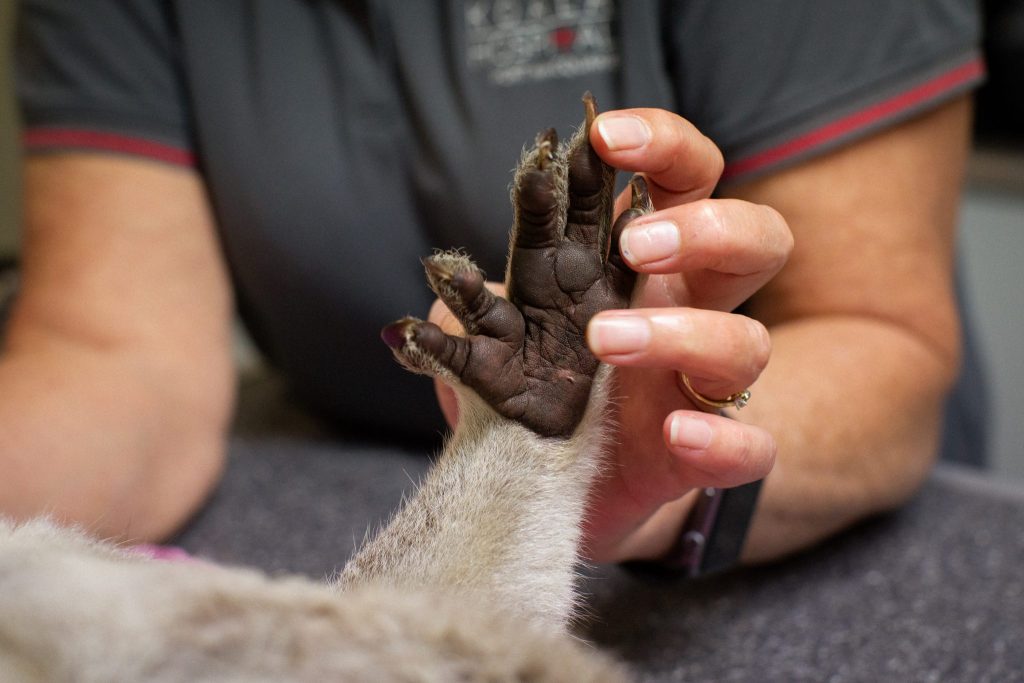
{"x":737,"y":400}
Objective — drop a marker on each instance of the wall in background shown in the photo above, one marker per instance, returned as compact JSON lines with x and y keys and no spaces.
{"x":9,"y":220}
{"x":992,"y":246}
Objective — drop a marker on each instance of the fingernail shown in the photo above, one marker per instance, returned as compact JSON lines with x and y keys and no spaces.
{"x":687,"y":432}
{"x":649,"y":243}
{"x":615,"y":335}
{"x":623,"y":132}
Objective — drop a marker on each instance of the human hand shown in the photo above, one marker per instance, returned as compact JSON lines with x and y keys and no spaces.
{"x":700,"y":258}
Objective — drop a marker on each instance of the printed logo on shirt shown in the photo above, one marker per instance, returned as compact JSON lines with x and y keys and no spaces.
{"x":516,"y":41}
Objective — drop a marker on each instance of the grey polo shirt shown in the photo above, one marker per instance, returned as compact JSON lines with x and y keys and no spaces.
{"x":342,"y":141}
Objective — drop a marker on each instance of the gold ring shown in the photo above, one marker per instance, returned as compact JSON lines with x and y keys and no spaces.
{"x":739,"y":399}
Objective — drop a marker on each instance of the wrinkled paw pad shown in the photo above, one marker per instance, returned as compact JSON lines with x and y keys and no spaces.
{"x":526,"y":355}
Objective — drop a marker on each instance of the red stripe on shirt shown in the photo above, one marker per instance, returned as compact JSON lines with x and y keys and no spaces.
{"x":73,"y":137}
{"x":858,"y":120}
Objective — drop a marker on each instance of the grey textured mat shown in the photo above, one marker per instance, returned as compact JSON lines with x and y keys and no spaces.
{"x":934,"y":592}
{"x":299,"y":506}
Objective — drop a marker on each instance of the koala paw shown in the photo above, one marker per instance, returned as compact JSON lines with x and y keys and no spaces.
{"x":526,"y":355}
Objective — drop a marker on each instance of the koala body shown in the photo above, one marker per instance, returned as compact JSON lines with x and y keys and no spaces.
{"x":473,"y":577}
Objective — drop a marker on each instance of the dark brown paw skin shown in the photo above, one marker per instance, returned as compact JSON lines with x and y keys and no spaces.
{"x":527,"y":355}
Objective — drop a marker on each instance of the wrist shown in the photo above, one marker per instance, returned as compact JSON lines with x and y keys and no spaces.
{"x":715,"y":532}
{"x":656,"y":535}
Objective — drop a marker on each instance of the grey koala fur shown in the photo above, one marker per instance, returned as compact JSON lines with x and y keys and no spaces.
{"x":471,"y":580}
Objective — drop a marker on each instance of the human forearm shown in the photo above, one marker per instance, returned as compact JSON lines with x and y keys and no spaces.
{"x":116,"y":380}
{"x":89,"y":439}
{"x":855,"y":405}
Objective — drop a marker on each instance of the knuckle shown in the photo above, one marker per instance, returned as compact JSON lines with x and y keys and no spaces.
{"x":744,"y":452}
{"x":754,"y":453}
{"x":716,"y":160}
{"x":709,"y":217}
{"x":711,"y":214}
{"x":684,"y":141}
{"x":779,"y":237}
{"x":747,"y":351}
{"x":760,"y":345}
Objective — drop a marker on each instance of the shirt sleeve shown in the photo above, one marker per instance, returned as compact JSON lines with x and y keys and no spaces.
{"x":102,"y":75}
{"x":779,"y":81}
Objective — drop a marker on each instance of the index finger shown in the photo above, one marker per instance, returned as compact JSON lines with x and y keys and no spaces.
{"x":680,"y":162}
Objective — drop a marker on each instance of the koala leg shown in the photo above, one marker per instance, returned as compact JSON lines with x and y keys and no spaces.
{"x":499,"y":515}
